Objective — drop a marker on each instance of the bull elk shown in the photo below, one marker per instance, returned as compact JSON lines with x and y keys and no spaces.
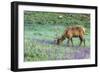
{"x":73,"y":31}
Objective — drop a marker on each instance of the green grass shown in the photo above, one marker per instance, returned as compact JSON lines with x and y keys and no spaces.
{"x":37,"y":50}
{"x":41,"y":30}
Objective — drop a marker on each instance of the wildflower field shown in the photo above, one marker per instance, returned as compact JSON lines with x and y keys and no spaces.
{"x":41,"y":30}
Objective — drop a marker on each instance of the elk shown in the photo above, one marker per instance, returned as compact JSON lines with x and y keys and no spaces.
{"x":73,"y":31}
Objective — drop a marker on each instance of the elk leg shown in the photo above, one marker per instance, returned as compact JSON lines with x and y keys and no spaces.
{"x":81,"y":39}
{"x":72,"y":42}
{"x":84,"y":42}
{"x":68,"y":42}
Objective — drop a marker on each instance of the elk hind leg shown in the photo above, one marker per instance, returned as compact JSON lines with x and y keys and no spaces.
{"x":84,"y":41}
{"x":81,"y":40}
{"x":72,"y":42}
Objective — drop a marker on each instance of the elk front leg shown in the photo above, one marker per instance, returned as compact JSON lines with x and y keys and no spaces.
{"x":68,"y":42}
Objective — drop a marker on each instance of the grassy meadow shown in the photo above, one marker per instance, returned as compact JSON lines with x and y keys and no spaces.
{"x":41,"y":30}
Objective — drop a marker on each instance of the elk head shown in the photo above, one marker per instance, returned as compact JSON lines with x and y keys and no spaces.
{"x":59,"y":40}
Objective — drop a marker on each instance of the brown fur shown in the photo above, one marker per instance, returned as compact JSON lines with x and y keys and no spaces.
{"x":73,"y":31}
